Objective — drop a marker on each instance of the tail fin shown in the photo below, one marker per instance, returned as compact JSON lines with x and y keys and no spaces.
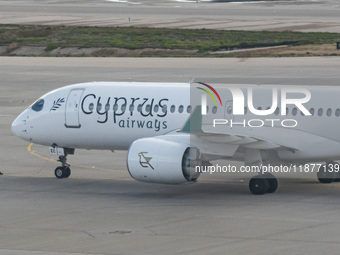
{"x":194,"y":122}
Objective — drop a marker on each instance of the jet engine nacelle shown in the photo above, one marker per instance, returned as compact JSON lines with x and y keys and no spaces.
{"x":162,"y":161}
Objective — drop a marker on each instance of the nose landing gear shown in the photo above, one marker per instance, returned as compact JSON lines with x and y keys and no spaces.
{"x":64,"y":170}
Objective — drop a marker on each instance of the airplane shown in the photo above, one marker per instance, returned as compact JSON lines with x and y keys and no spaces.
{"x":173,"y":131}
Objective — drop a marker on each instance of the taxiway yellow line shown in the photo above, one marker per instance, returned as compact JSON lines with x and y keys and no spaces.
{"x":29,"y":149}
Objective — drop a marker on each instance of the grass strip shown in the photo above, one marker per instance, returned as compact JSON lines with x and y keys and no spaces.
{"x":192,"y":42}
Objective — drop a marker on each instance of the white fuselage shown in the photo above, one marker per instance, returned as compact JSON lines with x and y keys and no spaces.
{"x":112,"y":115}
{"x":103,"y":115}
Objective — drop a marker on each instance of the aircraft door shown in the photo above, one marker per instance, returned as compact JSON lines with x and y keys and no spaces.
{"x":72,"y":108}
{"x":228,"y":110}
{"x":233,"y":120}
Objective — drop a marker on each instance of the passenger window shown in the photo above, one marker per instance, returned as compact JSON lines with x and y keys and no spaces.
{"x":189,"y":108}
{"x":38,"y":106}
{"x":115,"y":107}
{"x":123,"y":107}
{"x":320,"y":112}
{"x":156,"y":108}
{"x":139,"y":108}
{"x":107,"y":107}
{"x":131,"y":107}
{"x":148,"y":108}
{"x":164,"y":108}
{"x":294,"y":111}
{"x":337,"y":112}
{"x":91,"y":106}
{"x":277,"y":111}
{"x":214,"y":109}
{"x":329,"y":112}
{"x":172,"y":108}
{"x":312,"y":111}
{"x":99,"y":107}
{"x":180,"y":109}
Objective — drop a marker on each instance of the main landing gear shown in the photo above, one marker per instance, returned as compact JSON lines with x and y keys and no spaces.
{"x":328,"y":173}
{"x":263,"y":183}
{"x":64,"y":170}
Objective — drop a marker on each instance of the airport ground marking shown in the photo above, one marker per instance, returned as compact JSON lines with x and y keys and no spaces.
{"x":29,"y":149}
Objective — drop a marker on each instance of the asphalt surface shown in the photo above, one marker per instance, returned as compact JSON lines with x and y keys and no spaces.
{"x":100,"y":210}
{"x":297,"y":15}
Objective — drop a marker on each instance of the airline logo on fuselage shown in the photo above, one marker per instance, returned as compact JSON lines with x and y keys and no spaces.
{"x":57,"y":104}
{"x":126,"y":112}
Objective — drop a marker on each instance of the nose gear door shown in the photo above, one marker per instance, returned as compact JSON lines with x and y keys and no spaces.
{"x":72,"y":108}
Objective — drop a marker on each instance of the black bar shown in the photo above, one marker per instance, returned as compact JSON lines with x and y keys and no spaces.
{"x":338,"y":45}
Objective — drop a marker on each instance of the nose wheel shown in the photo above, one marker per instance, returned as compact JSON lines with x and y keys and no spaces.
{"x":62,"y":172}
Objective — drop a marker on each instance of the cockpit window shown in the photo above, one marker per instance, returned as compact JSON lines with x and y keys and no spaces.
{"x":38,"y":106}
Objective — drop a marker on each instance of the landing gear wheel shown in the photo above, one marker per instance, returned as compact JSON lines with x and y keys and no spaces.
{"x":325,"y":175}
{"x":59,"y":172}
{"x":67,"y":172}
{"x":337,"y":178}
{"x":62,"y":172}
{"x":258,"y":185}
{"x":336,"y":168}
{"x":272,"y":181}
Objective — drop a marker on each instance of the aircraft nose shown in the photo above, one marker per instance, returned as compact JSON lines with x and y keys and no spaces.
{"x":19,"y":126}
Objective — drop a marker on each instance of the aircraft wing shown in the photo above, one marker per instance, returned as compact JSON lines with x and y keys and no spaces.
{"x":227,"y":142}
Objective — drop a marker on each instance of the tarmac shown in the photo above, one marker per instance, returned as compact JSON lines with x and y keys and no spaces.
{"x":101,"y":210}
{"x":295,"y":15}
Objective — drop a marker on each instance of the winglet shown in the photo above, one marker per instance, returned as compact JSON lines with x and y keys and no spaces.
{"x":194,"y":122}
